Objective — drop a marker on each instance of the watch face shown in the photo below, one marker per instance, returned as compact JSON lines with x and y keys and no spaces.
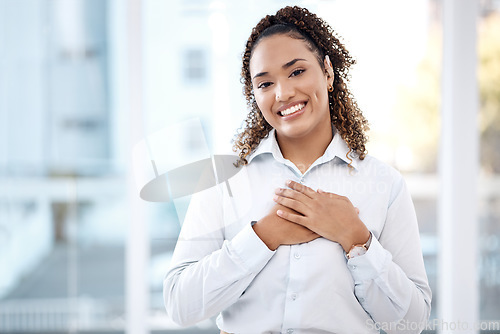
{"x":356,"y":251}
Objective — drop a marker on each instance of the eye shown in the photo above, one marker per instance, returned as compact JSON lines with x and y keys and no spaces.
{"x":297,"y":72}
{"x":264,"y":85}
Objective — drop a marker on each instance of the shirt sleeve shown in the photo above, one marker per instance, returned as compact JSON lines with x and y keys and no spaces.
{"x":209,"y":273}
{"x":390,"y":279}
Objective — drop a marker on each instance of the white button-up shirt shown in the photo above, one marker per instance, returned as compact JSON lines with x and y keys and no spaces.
{"x":220,"y":266}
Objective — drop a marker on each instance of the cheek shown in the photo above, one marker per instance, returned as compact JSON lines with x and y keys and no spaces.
{"x":322,"y":94}
{"x":263,"y":103}
{"x":265,"y":108}
{"x":316,"y":88}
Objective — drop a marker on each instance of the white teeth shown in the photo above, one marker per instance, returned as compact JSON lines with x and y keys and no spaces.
{"x":293,"y":109}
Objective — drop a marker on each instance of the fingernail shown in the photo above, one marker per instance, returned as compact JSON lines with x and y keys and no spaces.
{"x":289,"y":182}
{"x":277,"y":191}
{"x":279,"y":212}
{"x":275,"y":198}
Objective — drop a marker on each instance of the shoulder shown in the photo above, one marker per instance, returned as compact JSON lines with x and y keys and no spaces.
{"x":373,"y":166}
{"x":382,"y":173}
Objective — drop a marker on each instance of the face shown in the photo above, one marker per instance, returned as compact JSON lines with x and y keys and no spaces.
{"x":290,"y":87}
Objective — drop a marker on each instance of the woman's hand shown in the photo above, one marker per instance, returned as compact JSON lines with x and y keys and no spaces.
{"x":329,"y":215}
{"x":275,"y":231}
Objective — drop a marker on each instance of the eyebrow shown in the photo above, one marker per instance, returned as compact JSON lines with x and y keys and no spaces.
{"x":285,"y":66}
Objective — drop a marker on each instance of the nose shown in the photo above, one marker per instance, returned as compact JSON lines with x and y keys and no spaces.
{"x":284,"y":91}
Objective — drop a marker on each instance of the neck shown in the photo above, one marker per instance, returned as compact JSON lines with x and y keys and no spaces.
{"x":303,"y":151}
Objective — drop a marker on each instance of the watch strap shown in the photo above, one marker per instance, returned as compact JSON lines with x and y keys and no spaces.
{"x":366,"y":245}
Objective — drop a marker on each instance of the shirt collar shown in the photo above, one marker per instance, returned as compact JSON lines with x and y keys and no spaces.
{"x":270,"y":145}
{"x":337,"y":148}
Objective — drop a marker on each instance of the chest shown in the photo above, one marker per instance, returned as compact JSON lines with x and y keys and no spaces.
{"x":248,"y":196}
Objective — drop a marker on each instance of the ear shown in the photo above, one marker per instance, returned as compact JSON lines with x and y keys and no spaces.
{"x":329,"y":70}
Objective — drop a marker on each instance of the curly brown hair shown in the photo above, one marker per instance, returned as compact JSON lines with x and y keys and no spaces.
{"x":345,"y":114}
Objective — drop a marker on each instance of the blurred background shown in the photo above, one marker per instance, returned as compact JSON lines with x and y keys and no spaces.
{"x":71,"y":259}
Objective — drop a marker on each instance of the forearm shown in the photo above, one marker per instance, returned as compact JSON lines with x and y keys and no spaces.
{"x":265,"y":234}
{"x":196,"y":290}
{"x":400,"y":308}
{"x":389,"y":294}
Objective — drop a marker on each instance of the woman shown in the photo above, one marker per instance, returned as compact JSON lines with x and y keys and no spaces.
{"x":270,"y":254}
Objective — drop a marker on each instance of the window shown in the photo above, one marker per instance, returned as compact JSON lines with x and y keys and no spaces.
{"x":195,"y":66}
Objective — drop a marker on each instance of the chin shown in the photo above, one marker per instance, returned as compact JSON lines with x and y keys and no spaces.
{"x":293,"y":132}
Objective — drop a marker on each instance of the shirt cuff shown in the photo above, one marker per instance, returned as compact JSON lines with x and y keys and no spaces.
{"x":251,"y":249}
{"x":370,"y":265}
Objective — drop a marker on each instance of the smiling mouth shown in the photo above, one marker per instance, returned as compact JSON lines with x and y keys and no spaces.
{"x":292,"y":110}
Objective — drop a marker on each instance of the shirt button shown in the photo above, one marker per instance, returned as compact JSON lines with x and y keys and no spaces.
{"x":289,"y":331}
{"x":353,"y":267}
{"x":361,"y":300}
{"x":294,"y":296}
{"x":297,"y":256}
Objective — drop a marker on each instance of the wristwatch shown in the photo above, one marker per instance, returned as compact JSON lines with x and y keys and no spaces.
{"x":359,"y":249}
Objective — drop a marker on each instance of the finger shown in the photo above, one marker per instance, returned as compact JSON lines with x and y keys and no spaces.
{"x":329,"y":194}
{"x":292,"y":217}
{"x":291,"y":193}
{"x":292,"y":204}
{"x":301,"y":188}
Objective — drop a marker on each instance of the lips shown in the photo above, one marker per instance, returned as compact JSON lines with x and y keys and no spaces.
{"x":290,"y":109}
